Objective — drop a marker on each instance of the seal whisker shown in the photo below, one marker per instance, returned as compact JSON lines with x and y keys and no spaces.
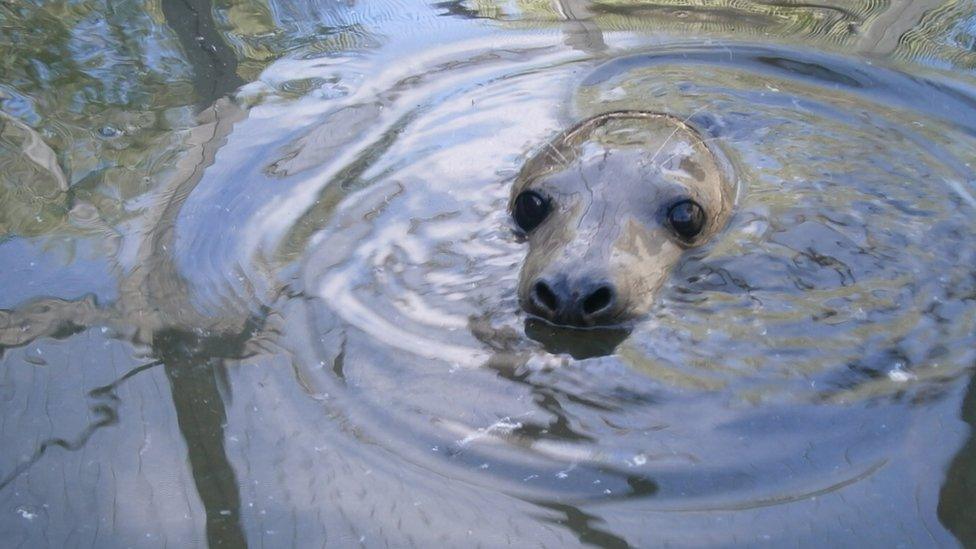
{"x":675,"y":155}
{"x":675,"y":132}
{"x":562,"y":158}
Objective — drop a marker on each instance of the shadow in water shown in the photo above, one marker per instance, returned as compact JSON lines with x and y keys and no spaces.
{"x":582,"y":33}
{"x":578,"y":343}
{"x":214,"y":63}
{"x":458,"y":8}
{"x":583,"y":525}
{"x":195,"y":369}
{"x":957,"y":499}
{"x":103,"y":410}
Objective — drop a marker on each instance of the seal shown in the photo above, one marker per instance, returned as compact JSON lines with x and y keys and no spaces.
{"x":608,"y":207}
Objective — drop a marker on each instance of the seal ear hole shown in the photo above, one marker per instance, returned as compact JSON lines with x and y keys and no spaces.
{"x":598,"y":300}
{"x":687,"y":218}
{"x":530,"y":210}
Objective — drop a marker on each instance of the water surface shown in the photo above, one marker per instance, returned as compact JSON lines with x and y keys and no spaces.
{"x":258,"y":280}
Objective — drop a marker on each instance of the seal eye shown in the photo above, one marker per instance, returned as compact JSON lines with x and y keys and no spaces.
{"x":530,"y":210}
{"x":687,"y":219}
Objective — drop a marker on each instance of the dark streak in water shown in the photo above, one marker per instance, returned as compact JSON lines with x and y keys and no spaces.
{"x":456,"y":8}
{"x":193,"y":366}
{"x":339,"y":363}
{"x":813,"y":70}
{"x":214,"y":63}
{"x":105,"y":411}
{"x":782,"y":499}
{"x":583,"y":525}
{"x":957,"y":498}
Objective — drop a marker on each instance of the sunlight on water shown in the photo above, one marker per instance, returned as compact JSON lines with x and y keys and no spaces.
{"x":260,"y":277}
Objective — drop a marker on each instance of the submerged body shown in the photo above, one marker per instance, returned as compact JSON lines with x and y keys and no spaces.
{"x":608,"y":207}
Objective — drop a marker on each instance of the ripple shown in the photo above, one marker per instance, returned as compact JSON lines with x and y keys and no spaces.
{"x":778,"y":360}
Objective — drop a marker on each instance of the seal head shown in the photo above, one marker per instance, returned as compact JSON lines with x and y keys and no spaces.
{"x":608,"y":207}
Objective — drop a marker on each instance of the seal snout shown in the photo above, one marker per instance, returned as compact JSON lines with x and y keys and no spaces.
{"x":588,"y":301}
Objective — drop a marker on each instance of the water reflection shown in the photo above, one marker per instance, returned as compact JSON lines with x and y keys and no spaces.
{"x":277,"y":228}
{"x":579,"y":344}
{"x":586,"y":527}
{"x":214,"y":63}
{"x":957,"y":498}
{"x":104,"y":408}
{"x":195,"y":369}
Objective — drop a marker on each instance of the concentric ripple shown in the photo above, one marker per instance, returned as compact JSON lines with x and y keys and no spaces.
{"x":259,"y":281}
{"x":780,"y":363}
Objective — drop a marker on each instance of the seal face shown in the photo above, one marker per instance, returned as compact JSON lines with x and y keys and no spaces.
{"x":608,"y":207}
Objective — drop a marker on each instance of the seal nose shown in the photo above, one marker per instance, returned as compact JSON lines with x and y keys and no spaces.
{"x":578,"y":303}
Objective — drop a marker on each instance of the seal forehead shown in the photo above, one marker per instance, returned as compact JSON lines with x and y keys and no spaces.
{"x":660,"y":141}
{"x":634,"y":130}
{"x":654,"y":142}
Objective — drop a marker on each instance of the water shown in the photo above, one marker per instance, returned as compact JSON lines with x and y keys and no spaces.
{"x":258,"y":279}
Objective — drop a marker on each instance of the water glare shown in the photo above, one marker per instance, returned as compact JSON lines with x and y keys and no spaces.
{"x":258,"y":280}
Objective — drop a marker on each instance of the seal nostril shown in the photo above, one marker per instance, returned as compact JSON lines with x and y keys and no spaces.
{"x":598,"y":300}
{"x":545,"y":296}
